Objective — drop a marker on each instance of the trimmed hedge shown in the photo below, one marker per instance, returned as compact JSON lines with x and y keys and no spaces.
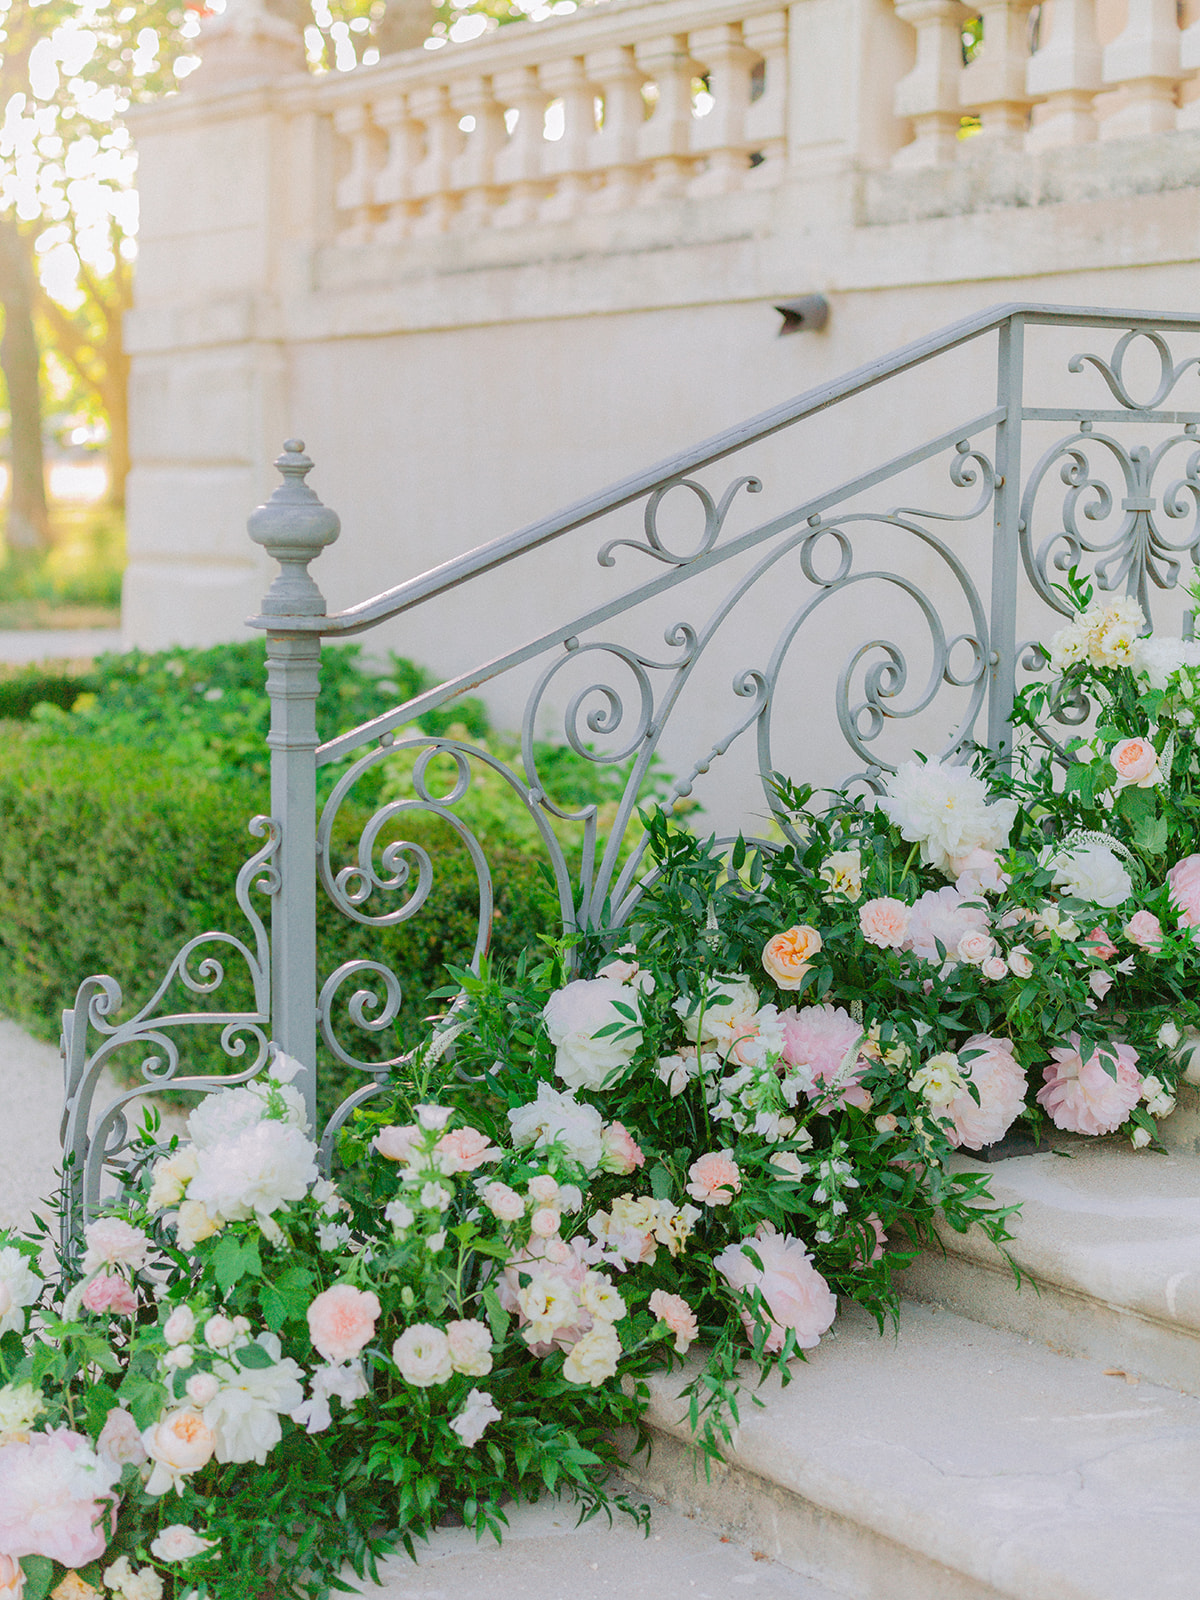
{"x":111,"y":859}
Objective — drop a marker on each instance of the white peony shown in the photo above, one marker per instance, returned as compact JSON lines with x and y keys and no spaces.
{"x":244,"y":1414}
{"x":225,"y":1113}
{"x":558,"y":1118}
{"x":1092,"y":872}
{"x":19,"y":1287}
{"x":1160,"y":657}
{"x":947,"y":812}
{"x":255,"y":1173}
{"x":575,"y":1014}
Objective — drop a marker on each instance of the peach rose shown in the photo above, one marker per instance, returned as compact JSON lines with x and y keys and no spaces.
{"x":884,"y":922}
{"x":787,"y":956}
{"x":1144,"y":930}
{"x":1098,"y":943}
{"x":1019,"y":962}
{"x":545,"y":1221}
{"x":1135,"y":761}
{"x":505,"y":1204}
{"x":341,"y":1320}
{"x":178,"y":1444}
{"x":994,"y":968}
{"x":463,"y":1150}
{"x":678,"y":1316}
{"x":715,"y":1177}
{"x":977,"y":946}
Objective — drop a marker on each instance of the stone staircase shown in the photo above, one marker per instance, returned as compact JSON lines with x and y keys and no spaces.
{"x":1040,"y":1443}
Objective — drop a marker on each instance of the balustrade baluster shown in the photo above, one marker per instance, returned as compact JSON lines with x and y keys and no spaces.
{"x":432,"y":181}
{"x":394,"y":183}
{"x":1188,"y":116}
{"x":665,"y":141}
{"x":721,"y":135}
{"x":1066,"y":75}
{"x":568,"y":160}
{"x":355,"y":193}
{"x":929,"y":95}
{"x":994,"y":83}
{"x":520,"y":165}
{"x":1144,"y":61}
{"x":472,"y":171}
{"x":614,"y":145}
{"x":766,"y":118}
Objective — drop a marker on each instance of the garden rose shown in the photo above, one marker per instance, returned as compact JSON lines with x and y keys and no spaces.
{"x":1144,"y":930}
{"x":787,"y":956}
{"x":57,"y":1498}
{"x":20,"y":1406}
{"x":108,"y":1291}
{"x":1099,"y":944}
{"x":545,"y":1221}
{"x":593,"y":1358}
{"x":884,"y":923}
{"x":179,"y":1543}
{"x":621,"y":1152}
{"x":474,"y":1417}
{"x":715,"y":1178}
{"x":1092,"y":872}
{"x":999,"y":1080}
{"x":994,"y":968}
{"x":470,"y":1344}
{"x":723,"y":1019}
{"x":178,"y":1444}
{"x":1020,"y":962}
{"x":674,"y":1312}
{"x":796,"y":1294}
{"x":1081,"y":1096}
{"x":1184,"y":882}
{"x":976,"y":947}
{"x":575,"y":1014}
{"x":170,"y":1177}
{"x":422,"y":1355}
{"x":979,"y":872}
{"x":1135,"y":761}
{"x":120,"y":1439}
{"x":543,"y":1188}
{"x":939,"y":1080}
{"x":433,"y":1118}
{"x":202,"y":1387}
{"x":505,"y":1204}
{"x":193,"y":1223}
{"x":180,"y":1326}
{"x":219,"y":1331}
{"x":341,"y":1321}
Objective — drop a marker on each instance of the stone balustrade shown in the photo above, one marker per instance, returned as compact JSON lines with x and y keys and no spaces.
{"x":1065,"y":72}
{"x":622,"y":107}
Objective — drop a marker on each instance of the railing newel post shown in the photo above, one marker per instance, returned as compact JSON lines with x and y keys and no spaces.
{"x":294,"y":527}
{"x":1006,"y":536}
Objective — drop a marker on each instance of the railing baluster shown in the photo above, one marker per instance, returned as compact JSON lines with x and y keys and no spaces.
{"x":568,"y":160}
{"x":994,"y":83}
{"x":665,"y":141}
{"x":472,"y":172}
{"x":1065,"y":75}
{"x":614,"y":145}
{"x":356,"y":190}
{"x":721,"y":135}
{"x":929,"y":95}
{"x":1144,"y":60}
{"x":431,"y":105}
{"x":394,"y":183}
{"x":520,"y":166}
{"x":766,"y":119}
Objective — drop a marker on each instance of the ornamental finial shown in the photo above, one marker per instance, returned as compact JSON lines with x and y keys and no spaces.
{"x":294,"y":527}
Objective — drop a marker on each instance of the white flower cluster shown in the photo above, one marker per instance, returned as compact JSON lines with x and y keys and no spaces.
{"x":1103,"y":636}
{"x":946,"y":810}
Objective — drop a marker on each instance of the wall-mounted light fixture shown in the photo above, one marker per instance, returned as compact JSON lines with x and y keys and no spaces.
{"x":808,"y":314}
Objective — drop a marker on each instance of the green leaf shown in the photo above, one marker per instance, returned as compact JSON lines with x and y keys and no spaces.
{"x":254,"y":1357}
{"x":660,"y":1181}
{"x":98,"y":1401}
{"x":233,"y":1259}
{"x":1151,"y":833}
{"x":497,"y":1316}
{"x":39,"y":1575}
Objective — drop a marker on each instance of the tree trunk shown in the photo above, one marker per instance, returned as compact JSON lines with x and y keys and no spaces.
{"x":28,"y":520}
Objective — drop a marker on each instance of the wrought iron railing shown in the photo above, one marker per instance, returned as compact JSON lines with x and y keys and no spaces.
{"x":1114,"y":491}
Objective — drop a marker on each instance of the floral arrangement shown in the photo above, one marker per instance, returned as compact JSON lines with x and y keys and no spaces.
{"x":687,"y":1139}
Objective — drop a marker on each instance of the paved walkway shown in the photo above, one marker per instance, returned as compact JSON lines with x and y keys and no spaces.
{"x":25,"y":646}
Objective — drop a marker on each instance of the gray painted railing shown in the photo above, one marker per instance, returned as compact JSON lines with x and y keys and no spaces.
{"x":1128,"y":468}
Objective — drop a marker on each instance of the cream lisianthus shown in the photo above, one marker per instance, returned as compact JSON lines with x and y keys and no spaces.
{"x":939,"y":1080}
{"x":841,"y":870}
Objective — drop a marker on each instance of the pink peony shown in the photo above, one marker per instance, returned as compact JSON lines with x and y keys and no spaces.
{"x":111,"y":1242}
{"x":56,"y":1495}
{"x":463,"y":1150}
{"x":978,"y":873}
{"x":1184,"y":881}
{"x":674,"y":1311}
{"x":341,"y":1321}
{"x":108,"y":1291}
{"x":397,"y":1143}
{"x":716,"y":1178}
{"x":818,"y":1040}
{"x":942,"y":915}
{"x":1082,"y":1097}
{"x":621,"y":1152}
{"x":1144,"y":930}
{"x":1000,"y":1081}
{"x":884,"y":923}
{"x":796,"y":1294}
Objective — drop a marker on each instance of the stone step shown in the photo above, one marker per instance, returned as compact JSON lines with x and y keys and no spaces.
{"x":546,"y":1556}
{"x":1109,"y":1242}
{"x":952,"y":1462}
{"x":1180,"y":1132}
